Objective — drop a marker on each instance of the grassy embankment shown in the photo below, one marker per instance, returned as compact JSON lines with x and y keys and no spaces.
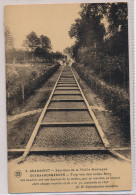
{"x":115,"y":98}
{"x":23,"y":80}
{"x":20,"y":130}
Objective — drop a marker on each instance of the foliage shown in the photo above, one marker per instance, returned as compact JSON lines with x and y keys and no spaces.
{"x":101,"y":34}
{"x":68,"y":51}
{"x":35,"y":43}
{"x":101,"y":54}
{"x":88,"y":30}
{"x":38,"y":49}
{"x":41,"y":48}
{"x":45,"y":43}
{"x":34,"y":77}
{"x":16,"y":56}
{"x":9,"y":41}
{"x":32,"y":41}
{"x":115,"y":98}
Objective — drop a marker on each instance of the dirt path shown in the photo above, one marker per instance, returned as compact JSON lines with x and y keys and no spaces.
{"x":18,"y":116}
{"x":40,"y":96}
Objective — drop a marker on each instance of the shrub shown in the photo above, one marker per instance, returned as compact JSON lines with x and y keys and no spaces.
{"x":31,"y":78}
{"x":115,"y":98}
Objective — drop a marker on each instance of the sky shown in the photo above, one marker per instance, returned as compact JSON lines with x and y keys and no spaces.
{"x":51,"y":20}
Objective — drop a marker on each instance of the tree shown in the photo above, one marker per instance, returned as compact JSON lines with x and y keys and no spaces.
{"x":118,"y":27}
{"x":69,"y":51}
{"x":39,"y":52}
{"x":32,"y":41}
{"x":45,"y":43}
{"x":101,"y":35}
{"x":88,"y":30}
{"x":9,"y":41}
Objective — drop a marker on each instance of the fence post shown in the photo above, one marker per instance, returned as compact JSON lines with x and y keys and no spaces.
{"x":23,"y":93}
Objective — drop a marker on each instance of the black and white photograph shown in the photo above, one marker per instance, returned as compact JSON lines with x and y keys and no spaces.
{"x":68,"y":97}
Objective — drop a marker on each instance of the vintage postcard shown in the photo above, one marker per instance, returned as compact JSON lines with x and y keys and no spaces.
{"x":68,"y":103}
